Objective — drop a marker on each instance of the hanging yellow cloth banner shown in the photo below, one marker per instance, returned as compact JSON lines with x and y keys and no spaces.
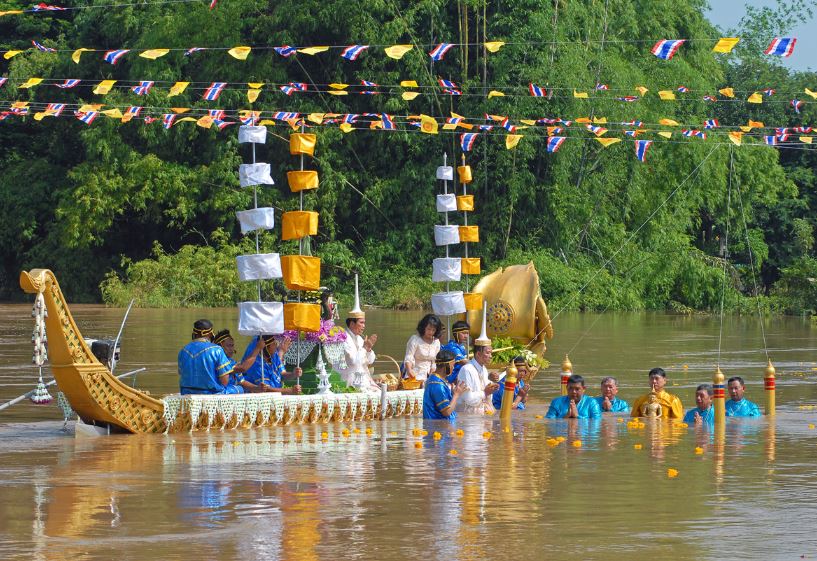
{"x":665,"y":134}
{"x":666,"y":95}
{"x":465,"y":203}
{"x":408,"y":84}
{"x":469,"y":234}
{"x":725,"y":44}
{"x":302,"y":317}
{"x":728,"y":92}
{"x":302,"y":180}
{"x":668,"y":123}
{"x":473,"y":301}
{"x":494,"y":46}
{"x":177,"y":88}
{"x":811,"y":93}
{"x":30,"y":83}
{"x":301,"y":272}
{"x":239,"y":53}
{"x":579,"y":95}
{"x":302,"y":143}
{"x":104,"y":87}
{"x":805,"y":139}
{"x":512,"y":140}
{"x":10,"y":54}
{"x":471,"y":266}
{"x":495,"y":93}
{"x":78,"y":53}
{"x":736,"y":137}
{"x":408,"y":96}
{"x":298,"y":224}
{"x":205,"y":122}
{"x":464,"y":174}
{"x":755,"y":98}
{"x":608,"y":141}
{"x":641,"y":90}
{"x":397,"y":51}
{"x":153,"y":54}
{"x":252,"y":95}
{"x":313,"y":50}
{"x":112,"y":113}
{"x":427,"y":124}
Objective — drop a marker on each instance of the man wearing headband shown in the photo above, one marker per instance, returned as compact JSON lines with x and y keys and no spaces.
{"x":203,"y":366}
{"x":224,"y":339}
{"x":439,"y":400}
{"x":267,"y":370}
{"x":458,"y":346}
{"x":520,"y":392}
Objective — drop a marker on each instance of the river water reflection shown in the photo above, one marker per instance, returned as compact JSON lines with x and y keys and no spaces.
{"x":288,"y":493}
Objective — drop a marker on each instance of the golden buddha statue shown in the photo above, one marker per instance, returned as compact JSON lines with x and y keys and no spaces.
{"x":652,"y":408}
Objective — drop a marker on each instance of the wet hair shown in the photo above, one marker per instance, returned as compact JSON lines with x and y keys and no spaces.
{"x":707,"y":388}
{"x":203,"y":328}
{"x":221,"y":336}
{"x":657,"y":372}
{"x":576,"y":379}
{"x":434,"y":321}
{"x":609,"y":379}
{"x":460,"y":326}
{"x":737,"y":379}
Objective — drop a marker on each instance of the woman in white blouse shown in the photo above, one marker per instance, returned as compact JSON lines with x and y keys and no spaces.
{"x":422,"y":348}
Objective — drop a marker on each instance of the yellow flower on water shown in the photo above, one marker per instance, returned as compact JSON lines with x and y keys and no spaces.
{"x":418,"y":444}
{"x":686,"y":366}
{"x":324,"y":435}
{"x":641,"y":425}
{"x":345,"y":432}
{"x":491,"y":412}
{"x":811,"y":425}
{"x":620,"y":420}
{"x":460,"y":432}
{"x":453,"y":452}
{"x":672,"y":472}
{"x":560,"y":438}
{"x":552,"y":442}
{"x":486,"y":435}
{"x":699,"y":450}
{"x":637,"y":446}
{"x":356,"y":431}
{"x":577,"y":444}
{"x":540,"y":416}
{"x":683,"y":425}
{"x":368,"y":431}
{"x":415,"y":432}
{"x":424,"y":433}
{"x":298,"y":435}
{"x":437,"y":436}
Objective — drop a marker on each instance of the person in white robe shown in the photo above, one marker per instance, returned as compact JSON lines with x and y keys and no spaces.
{"x":358,"y":351}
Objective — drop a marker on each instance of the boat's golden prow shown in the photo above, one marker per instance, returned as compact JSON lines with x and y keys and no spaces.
{"x":93,"y":392}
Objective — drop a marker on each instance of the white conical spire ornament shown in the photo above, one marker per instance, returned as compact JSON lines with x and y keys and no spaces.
{"x":356,"y":312}
{"x":483,"y":340}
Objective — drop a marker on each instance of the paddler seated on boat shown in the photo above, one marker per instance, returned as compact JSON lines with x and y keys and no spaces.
{"x":268,"y":370}
{"x":204,"y":368}
{"x":520,"y":391}
{"x":439,"y":398}
{"x":226,"y":341}
{"x":738,"y":406}
{"x":458,"y":346}
{"x":422,"y":348}
{"x":609,"y":400}
{"x":574,"y":405}
{"x":671,"y":406}
{"x":704,"y":412}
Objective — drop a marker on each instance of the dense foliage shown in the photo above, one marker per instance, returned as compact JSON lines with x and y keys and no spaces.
{"x":150,"y":212}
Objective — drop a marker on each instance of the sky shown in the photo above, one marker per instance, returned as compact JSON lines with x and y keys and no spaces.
{"x":727,"y":13}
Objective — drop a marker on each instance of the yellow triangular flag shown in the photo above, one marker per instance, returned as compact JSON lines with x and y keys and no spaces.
{"x":449,"y":126}
{"x":9,"y":54}
{"x":338,"y":86}
{"x":744,"y":128}
{"x":756,"y":97}
{"x":397,"y":51}
{"x":641,"y":90}
{"x":494,"y":46}
{"x":736,"y":137}
{"x":668,"y":122}
{"x":666,"y":95}
{"x":30,"y":83}
{"x":267,"y":122}
{"x":178,"y":88}
{"x":408,"y":96}
{"x":530,"y":122}
{"x":180,"y":110}
{"x":187,"y":119}
{"x":252,"y":95}
{"x":408,"y":84}
{"x":583,"y":120}
{"x":495,"y":93}
{"x":811,"y":93}
{"x":313,"y":50}
{"x":10,"y":12}
{"x":256,"y":85}
{"x":239,"y":53}
{"x":457,"y":116}
{"x":599,"y":120}
{"x":113,"y":113}
{"x":39,"y":116}
{"x":88,"y":107}
{"x":428,"y":125}
{"x":728,"y":92}
{"x":580,"y":95}
{"x":512,"y":140}
{"x":725,"y":44}
{"x":345,"y":127}
{"x":805,"y":139}
{"x":337,"y":92}
{"x":665,"y":134}
{"x":153,"y":54}
{"x":468,"y":127}
{"x":755,"y":124}
{"x":608,"y":141}
{"x":104,"y":87}
{"x":315,"y":118}
{"x":205,"y":122}
{"x":78,"y":53}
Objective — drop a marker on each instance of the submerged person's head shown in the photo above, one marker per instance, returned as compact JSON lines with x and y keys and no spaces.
{"x":575,"y":388}
{"x":736,"y":388}
{"x":703,"y":396}
{"x":658,"y":379}
{"x":203,"y":329}
{"x":609,"y":387}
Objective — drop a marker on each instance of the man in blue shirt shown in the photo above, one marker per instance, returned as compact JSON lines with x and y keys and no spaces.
{"x":738,"y":406}
{"x":268,"y":370}
{"x":459,"y":346}
{"x":439,"y":400}
{"x":574,"y":405}
{"x":704,"y":413}
{"x":608,"y":400}
{"x":225,"y":339}
{"x":203,"y":366}
{"x":520,"y":392}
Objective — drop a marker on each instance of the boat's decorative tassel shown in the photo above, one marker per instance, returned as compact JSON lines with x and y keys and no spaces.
{"x":40,"y":395}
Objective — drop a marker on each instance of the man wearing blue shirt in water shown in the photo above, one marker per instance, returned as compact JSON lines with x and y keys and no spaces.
{"x":520,"y":391}
{"x":738,"y":406}
{"x":608,"y":400}
{"x":458,"y":346}
{"x":705,"y":412}
{"x":439,"y":400}
{"x":574,"y":405}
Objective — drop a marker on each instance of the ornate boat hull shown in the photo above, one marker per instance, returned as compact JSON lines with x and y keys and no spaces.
{"x":99,"y":398}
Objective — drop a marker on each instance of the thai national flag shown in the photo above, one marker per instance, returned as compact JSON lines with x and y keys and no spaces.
{"x":769,"y":92}
{"x":783,"y":137}
{"x":148,"y":119}
{"x":43,"y":48}
{"x":710,"y":98}
{"x":114,"y":56}
{"x":546,"y":121}
{"x":537,"y":91}
{"x":634,"y":123}
{"x":213,"y":4}
{"x":353,"y":51}
{"x":189,"y":52}
{"x":453,"y":120}
{"x":452,"y":92}
{"x":368,"y":84}
{"x":388,"y":122}
{"x":350,"y":118}
{"x":88,"y":117}
{"x":797,"y":105}
{"x":3,"y":81}
{"x":134,"y":111}
{"x":212,"y":93}
{"x":467,"y":141}
{"x":221,"y":124}
{"x":143,"y":88}
{"x":70,"y":83}
{"x":555,"y":130}
{"x":781,"y":46}
{"x":300,"y":86}
{"x":167,"y":120}
{"x":683,"y":89}
{"x":289,"y":90}
{"x":216,"y":113}
{"x":632,"y":133}
{"x":628,"y":98}
{"x":770,"y":140}
{"x":711,"y":124}
{"x":447,"y":84}
{"x":285,"y":50}
{"x":554,"y":143}
{"x":438,"y":52}
{"x":486,"y":127}
{"x":641,"y":147}
{"x":602,"y":87}
{"x":803,"y":130}
{"x":506,"y":124}
{"x":55,"y":109}
{"x":693,"y":132}
{"x":43,"y":7}
{"x":666,"y":48}
{"x":781,"y":131}
{"x":598,"y":131}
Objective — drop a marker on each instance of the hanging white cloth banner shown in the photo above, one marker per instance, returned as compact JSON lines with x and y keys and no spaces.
{"x":446,"y":235}
{"x":447,"y":269}
{"x":260,"y":318}
{"x":247,"y":133}
{"x":260,"y":266}
{"x":445,"y":172}
{"x":446,"y":203}
{"x":254,"y":174}
{"x":256,"y":219}
{"x":448,"y":303}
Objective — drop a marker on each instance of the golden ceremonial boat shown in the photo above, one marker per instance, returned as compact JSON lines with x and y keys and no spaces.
{"x":102,"y":400}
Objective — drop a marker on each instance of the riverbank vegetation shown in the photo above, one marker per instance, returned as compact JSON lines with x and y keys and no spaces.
{"x":130,"y":210}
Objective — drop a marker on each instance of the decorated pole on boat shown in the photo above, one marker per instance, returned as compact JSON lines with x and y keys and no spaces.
{"x":768,"y":384}
{"x":567,"y":372}
{"x":719,"y":397}
{"x":507,"y":395}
